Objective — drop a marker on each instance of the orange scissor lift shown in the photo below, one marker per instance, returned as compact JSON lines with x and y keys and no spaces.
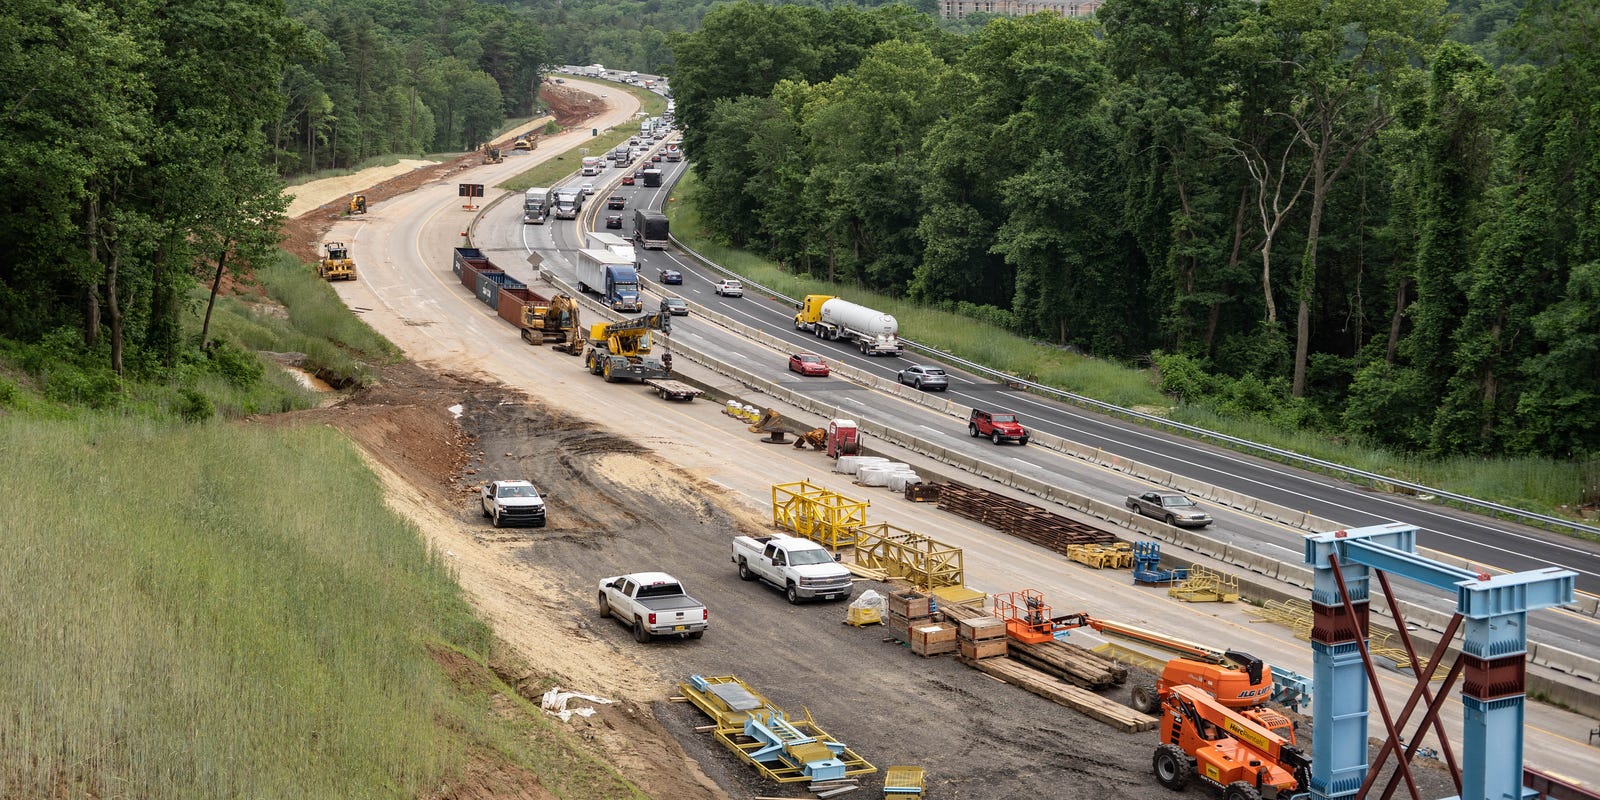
{"x":1028,"y":618}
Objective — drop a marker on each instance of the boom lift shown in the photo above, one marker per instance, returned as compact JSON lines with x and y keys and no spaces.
{"x":622,"y":350}
{"x":1202,"y":738}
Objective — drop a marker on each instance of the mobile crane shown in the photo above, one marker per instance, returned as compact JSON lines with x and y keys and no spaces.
{"x":622,"y":350}
{"x":1202,"y":738}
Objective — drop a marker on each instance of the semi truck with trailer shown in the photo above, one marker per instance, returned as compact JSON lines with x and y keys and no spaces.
{"x":611,"y":276}
{"x":569,"y":201}
{"x":650,"y":229}
{"x":535,"y":208}
{"x":617,"y":244}
{"x":826,"y":317}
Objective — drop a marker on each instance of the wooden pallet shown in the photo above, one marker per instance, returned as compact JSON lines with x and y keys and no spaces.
{"x":1022,"y":520}
{"x":1083,"y":701}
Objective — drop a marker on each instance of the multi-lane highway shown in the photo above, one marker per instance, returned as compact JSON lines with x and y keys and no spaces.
{"x":1479,"y":539}
{"x":406,"y":283}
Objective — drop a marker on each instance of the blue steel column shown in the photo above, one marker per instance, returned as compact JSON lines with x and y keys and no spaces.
{"x":1493,"y":655}
{"x":1493,"y":652}
{"x":1339,"y":710}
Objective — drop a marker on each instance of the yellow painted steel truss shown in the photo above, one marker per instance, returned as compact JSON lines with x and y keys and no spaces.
{"x":912,"y":557}
{"x":818,"y":513}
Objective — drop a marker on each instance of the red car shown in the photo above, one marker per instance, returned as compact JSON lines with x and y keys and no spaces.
{"x":808,"y":364}
{"x":627,"y":180}
{"x":655,"y":158}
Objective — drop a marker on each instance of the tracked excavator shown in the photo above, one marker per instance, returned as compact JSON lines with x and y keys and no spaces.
{"x":1233,"y":754}
{"x":623,"y":350}
{"x":555,"y":323}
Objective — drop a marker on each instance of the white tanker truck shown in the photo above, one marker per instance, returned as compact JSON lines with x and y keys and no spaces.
{"x":828,"y":317}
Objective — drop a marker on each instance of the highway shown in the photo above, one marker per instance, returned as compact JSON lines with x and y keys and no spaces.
{"x":409,"y":294}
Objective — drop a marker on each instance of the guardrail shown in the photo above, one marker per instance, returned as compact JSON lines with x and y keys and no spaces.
{"x":1372,"y":479}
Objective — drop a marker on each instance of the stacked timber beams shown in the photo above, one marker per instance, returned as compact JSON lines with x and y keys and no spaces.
{"x":1083,"y":701}
{"x":1022,"y":520}
{"x":1070,"y":663}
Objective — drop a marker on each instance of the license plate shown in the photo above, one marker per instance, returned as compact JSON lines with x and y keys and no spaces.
{"x":680,"y":627}
{"x":829,"y":596}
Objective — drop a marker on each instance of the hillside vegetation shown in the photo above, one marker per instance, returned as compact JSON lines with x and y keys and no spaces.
{"x":1322,"y":217}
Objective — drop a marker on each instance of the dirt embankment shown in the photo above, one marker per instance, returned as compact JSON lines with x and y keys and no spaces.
{"x":303,"y":234}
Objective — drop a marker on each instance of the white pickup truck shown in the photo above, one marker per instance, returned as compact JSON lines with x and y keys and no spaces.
{"x":513,"y":503}
{"x":653,"y":604}
{"x":802,"y":568}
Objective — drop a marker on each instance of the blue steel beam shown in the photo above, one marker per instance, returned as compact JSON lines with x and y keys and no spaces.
{"x":1495,"y":608}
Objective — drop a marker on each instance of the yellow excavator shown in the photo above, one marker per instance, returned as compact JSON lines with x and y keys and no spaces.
{"x":623,"y":350}
{"x":358,"y":205}
{"x":491,"y":154}
{"x":555,"y":322}
{"x":336,"y":263}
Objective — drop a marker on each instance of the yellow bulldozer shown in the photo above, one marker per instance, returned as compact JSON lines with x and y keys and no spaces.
{"x":358,"y":205}
{"x":492,"y":154}
{"x":336,"y":263}
{"x":522,"y":143}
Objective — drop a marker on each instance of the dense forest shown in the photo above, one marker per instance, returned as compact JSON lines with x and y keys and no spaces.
{"x":142,"y":146}
{"x":1333,"y":215}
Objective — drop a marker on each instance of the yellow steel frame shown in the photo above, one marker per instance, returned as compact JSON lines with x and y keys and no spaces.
{"x":818,"y":513}
{"x":730,"y":731}
{"x":923,"y":562}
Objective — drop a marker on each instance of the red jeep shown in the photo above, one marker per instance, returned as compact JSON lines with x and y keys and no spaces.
{"x":999,"y":426}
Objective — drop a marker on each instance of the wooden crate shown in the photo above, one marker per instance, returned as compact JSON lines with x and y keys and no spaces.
{"x":989,"y":648}
{"x":978,"y":629}
{"x":910,"y":605}
{"x":933,"y":639}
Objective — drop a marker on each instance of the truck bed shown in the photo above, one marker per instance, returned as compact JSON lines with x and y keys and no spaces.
{"x":673,"y":390}
{"x":676,"y":602}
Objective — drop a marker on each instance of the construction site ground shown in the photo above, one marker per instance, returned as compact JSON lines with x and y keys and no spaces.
{"x":635,"y":483}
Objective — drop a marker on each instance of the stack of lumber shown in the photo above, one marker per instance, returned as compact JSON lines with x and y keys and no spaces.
{"x":1071,"y":663}
{"x":1022,"y":520}
{"x":1086,"y":702}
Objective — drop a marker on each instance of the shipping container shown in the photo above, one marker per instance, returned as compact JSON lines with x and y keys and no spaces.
{"x":513,"y":300}
{"x":490,"y":283}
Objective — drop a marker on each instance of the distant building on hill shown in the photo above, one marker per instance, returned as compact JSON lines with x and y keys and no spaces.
{"x":956,"y":9}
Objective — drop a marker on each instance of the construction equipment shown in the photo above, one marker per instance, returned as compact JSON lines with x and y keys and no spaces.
{"x":771,"y":424}
{"x":622,"y":350}
{"x":1028,"y":618}
{"x":492,"y":155}
{"x":1206,"y":586}
{"x":554,"y":321}
{"x":1210,"y":668}
{"x":783,"y":749}
{"x":903,"y":782}
{"x":522,"y":143}
{"x":844,"y":438}
{"x":357,"y":205}
{"x":336,"y":263}
{"x":816,"y":437}
{"x":818,"y":513}
{"x":1202,"y":738}
{"x":1117,"y":555}
{"x":1147,"y":565}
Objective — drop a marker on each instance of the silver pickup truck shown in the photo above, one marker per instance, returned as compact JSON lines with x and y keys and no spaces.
{"x":1173,"y":509}
{"x":802,"y":568}
{"x":653,"y":604}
